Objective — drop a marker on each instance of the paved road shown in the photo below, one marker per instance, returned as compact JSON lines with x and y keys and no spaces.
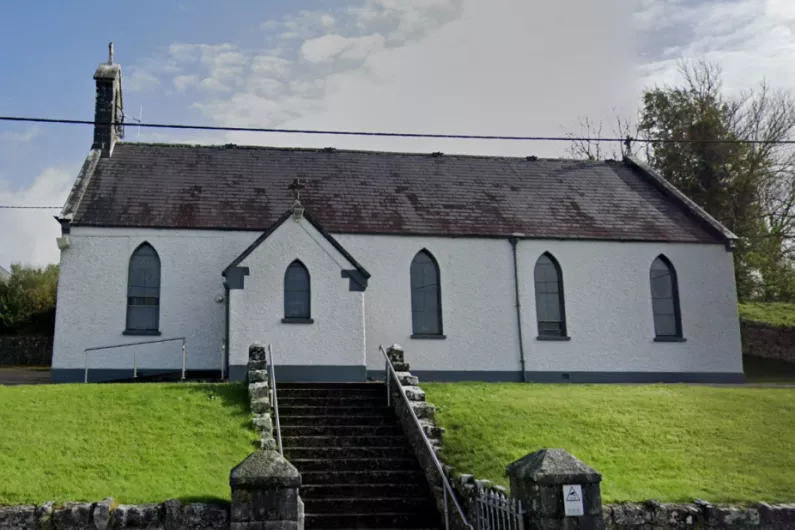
{"x":13,"y":375}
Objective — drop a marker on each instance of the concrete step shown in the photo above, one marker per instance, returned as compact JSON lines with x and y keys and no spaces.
{"x":371,"y":505}
{"x":364,"y":491}
{"x":334,"y":442}
{"x":350,"y":393}
{"x":293,"y":451}
{"x":333,"y":401}
{"x":355,"y":464}
{"x":391,"y":429}
{"x":416,"y":476}
{"x":333,"y":421}
{"x":333,"y":386}
{"x":336,"y":521}
{"x":358,"y":410}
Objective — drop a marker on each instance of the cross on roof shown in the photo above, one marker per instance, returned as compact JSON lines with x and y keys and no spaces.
{"x":297,"y":186}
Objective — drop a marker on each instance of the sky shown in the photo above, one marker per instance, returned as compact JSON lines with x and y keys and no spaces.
{"x":501,"y":67}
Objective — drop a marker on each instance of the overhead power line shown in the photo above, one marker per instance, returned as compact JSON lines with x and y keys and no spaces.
{"x":393,"y":134}
{"x":15,"y":207}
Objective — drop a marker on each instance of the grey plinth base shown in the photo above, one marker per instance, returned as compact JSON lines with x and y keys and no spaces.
{"x":538,"y":480}
{"x":264,"y":493}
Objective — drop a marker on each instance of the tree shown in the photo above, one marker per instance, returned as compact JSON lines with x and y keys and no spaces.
{"x":27,"y":300}
{"x":692,"y":136}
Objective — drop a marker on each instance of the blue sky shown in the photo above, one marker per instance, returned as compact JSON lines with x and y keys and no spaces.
{"x":462,"y":66}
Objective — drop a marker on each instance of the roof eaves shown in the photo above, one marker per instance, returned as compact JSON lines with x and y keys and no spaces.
{"x":688,"y":204}
{"x":72,"y":203}
{"x":336,"y":244}
{"x":257,"y":242}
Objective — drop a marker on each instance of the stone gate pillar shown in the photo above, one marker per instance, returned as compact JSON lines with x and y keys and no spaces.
{"x":558,"y":491}
{"x":265,"y":493}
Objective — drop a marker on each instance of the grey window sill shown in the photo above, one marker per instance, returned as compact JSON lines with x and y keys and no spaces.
{"x":428,"y":336}
{"x":142,"y":332}
{"x":670,"y":339}
{"x":553,"y":338}
{"x":294,"y":320}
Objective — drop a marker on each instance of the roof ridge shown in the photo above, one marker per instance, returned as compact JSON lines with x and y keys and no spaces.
{"x":332,"y":150}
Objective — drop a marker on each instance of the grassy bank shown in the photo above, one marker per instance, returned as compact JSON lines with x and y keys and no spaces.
{"x":665,"y":442}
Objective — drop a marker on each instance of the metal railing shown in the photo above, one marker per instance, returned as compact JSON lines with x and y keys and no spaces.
{"x":446,"y":488}
{"x":496,"y":511}
{"x":275,"y":398}
{"x":135,"y":358}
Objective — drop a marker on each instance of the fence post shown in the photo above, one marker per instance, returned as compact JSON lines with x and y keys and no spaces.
{"x":557,"y":490}
{"x":265,"y":493}
{"x":184,"y":357}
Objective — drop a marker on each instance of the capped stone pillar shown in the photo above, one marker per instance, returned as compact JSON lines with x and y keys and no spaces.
{"x":558,"y":491}
{"x":265,"y":493}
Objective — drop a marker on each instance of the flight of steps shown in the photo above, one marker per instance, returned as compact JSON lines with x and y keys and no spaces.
{"x":357,"y":467}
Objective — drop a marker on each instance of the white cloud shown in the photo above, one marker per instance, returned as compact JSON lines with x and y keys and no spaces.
{"x":323,"y":48}
{"x":29,"y":235}
{"x":213,"y":84}
{"x":184,"y":82}
{"x":270,"y":66}
{"x":20,"y":137}
{"x":140,"y":80}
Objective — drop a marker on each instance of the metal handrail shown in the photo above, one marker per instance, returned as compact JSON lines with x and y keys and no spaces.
{"x":448,"y":490}
{"x":272,"y":374}
{"x":135,"y":361}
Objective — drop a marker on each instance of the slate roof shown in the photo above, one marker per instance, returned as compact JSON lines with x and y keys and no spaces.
{"x":248,"y":188}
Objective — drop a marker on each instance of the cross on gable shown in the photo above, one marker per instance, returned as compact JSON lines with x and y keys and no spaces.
{"x":297,"y":186}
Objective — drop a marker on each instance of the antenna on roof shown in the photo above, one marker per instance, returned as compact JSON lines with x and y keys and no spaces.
{"x":110,"y":53}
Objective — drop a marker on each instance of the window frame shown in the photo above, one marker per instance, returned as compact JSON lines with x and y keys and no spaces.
{"x":439,"y":310}
{"x":564,"y":329}
{"x":675,"y":299}
{"x":151,"y":331}
{"x":304,"y":318}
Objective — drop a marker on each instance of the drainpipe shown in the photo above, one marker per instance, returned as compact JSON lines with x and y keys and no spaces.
{"x":513,"y":241}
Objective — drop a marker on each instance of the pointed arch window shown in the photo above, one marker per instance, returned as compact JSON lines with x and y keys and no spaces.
{"x":665,"y":300}
{"x":550,"y":307}
{"x":426,"y":297}
{"x":297,"y":294}
{"x":143,"y":292}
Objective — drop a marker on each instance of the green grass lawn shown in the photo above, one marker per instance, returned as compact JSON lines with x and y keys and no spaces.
{"x":138,"y":443}
{"x":774,"y":313}
{"x":665,"y":442}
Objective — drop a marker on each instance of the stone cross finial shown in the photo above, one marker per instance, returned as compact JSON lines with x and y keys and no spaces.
{"x":110,"y":53}
{"x":297,"y":186}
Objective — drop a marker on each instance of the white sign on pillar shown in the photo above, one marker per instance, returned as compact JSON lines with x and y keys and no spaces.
{"x":572,"y":500}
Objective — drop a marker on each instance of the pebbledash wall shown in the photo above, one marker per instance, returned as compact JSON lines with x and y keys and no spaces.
{"x":607,"y":299}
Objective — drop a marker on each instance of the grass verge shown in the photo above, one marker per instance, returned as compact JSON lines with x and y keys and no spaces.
{"x":138,"y":443}
{"x":671,"y":443}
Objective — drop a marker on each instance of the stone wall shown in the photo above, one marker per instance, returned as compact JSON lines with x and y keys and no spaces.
{"x":33,"y":350}
{"x":170,"y":515}
{"x":652,"y":515}
{"x":260,"y":395}
{"x":768,"y":342}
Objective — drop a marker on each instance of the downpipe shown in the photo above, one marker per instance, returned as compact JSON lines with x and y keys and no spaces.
{"x":513,"y":241}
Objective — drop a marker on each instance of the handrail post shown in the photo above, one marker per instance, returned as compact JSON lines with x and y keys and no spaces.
{"x":223,"y":357}
{"x":272,"y":374}
{"x":85,"y":378}
{"x":135,"y":366}
{"x":184,"y":357}
{"x":388,"y":391}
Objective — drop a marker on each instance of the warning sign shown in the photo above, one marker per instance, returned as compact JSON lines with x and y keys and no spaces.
{"x":572,"y":500}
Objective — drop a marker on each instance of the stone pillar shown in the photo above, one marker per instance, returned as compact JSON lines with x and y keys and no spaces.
{"x":265,"y":493}
{"x":259,"y":395}
{"x":552,"y":483}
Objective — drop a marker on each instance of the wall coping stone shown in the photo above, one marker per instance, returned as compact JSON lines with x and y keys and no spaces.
{"x":553,"y":466}
{"x":264,"y":469}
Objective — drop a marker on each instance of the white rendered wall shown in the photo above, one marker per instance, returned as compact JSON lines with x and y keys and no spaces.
{"x":336,"y":337}
{"x":606,"y":285}
{"x":607,"y":297}
{"x":92,"y":296}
